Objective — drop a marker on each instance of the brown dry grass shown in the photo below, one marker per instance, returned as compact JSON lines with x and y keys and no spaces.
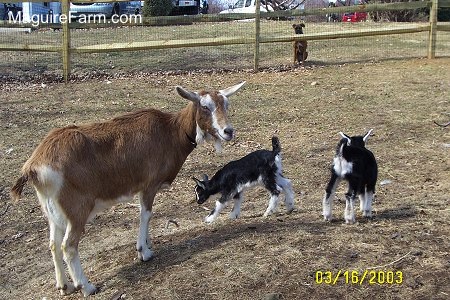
{"x":252,"y":257}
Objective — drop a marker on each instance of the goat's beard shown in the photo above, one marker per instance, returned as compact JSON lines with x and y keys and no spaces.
{"x":218,"y":145}
{"x":203,"y":136}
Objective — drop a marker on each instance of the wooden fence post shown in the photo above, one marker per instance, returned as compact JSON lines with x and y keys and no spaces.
{"x":65,"y":47}
{"x":433,"y":30}
{"x":257,"y":34}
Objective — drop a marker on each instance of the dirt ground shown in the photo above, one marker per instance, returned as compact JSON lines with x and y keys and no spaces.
{"x":253,"y":258}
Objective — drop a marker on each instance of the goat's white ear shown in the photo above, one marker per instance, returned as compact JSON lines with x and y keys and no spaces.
{"x":194,"y":97}
{"x":366,"y":137}
{"x":349,"y":140}
{"x":232,"y":89}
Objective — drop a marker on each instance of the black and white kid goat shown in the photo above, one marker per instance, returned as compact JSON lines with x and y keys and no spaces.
{"x":357,"y":165}
{"x":262,"y":167}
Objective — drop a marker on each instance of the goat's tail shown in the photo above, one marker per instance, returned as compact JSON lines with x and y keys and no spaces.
{"x":276,"y":147}
{"x":17,"y":189}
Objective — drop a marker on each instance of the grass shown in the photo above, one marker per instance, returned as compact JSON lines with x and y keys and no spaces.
{"x":252,"y":257}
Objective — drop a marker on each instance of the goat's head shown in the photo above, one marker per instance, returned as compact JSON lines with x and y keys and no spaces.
{"x":298,"y":28}
{"x":356,"y":141}
{"x":201,"y":189}
{"x":212,"y":114}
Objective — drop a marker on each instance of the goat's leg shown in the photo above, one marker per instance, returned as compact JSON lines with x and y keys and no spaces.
{"x":327,"y":202}
{"x":55,"y":242}
{"x":143,"y":248}
{"x":274,"y":190}
{"x":349,"y":214}
{"x":273,"y":203}
{"x":220,"y":204}
{"x":72,"y":258}
{"x":286,"y":185}
{"x":56,"y":239}
{"x":238,"y":198}
{"x":367,"y":212}
{"x":362,"y":201}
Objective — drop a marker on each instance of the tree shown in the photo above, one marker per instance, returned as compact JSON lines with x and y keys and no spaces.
{"x":443,"y":14}
{"x":281,"y":4}
{"x":406,"y":15}
{"x":154,"y":8}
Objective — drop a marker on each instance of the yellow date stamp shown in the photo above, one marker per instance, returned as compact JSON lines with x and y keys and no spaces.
{"x":359,"y":277}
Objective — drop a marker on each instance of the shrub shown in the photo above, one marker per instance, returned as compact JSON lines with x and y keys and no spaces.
{"x":443,"y":14}
{"x":154,"y":8}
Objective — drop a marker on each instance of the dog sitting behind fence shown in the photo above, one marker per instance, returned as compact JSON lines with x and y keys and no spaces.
{"x":262,"y":167}
{"x":300,"y":53}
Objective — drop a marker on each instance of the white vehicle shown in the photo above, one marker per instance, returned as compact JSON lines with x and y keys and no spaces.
{"x":244,"y":7}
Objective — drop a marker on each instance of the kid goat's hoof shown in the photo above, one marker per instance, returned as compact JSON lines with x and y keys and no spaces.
{"x":88,"y":289}
{"x":327,"y":218}
{"x":367,"y":214}
{"x":145,"y":254}
{"x":67,"y":289}
{"x":349,"y":221}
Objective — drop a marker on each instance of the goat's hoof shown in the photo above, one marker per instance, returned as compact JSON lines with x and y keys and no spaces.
{"x":327,"y":217}
{"x":67,"y":289}
{"x":209,"y":220}
{"x":367,"y":214}
{"x":349,"y":221}
{"x":88,"y":289}
{"x":145,"y":254}
{"x":267,"y":213}
{"x":233,"y":216}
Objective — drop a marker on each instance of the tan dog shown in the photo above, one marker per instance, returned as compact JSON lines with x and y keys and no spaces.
{"x":300,"y":53}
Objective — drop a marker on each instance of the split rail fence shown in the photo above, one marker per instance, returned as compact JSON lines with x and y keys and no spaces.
{"x":65,"y":49}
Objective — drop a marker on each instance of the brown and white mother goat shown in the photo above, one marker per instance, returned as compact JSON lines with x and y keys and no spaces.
{"x":78,"y":171}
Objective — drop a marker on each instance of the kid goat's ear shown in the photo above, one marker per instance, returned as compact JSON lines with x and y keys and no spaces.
{"x":366,"y":137}
{"x":346,"y":137}
{"x":199,"y":183}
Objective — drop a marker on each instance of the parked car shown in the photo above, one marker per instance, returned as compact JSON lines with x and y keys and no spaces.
{"x":106,"y":9}
{"x":354,"y":17}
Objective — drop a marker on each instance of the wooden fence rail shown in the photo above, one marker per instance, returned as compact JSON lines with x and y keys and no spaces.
{"x":65,"y":49}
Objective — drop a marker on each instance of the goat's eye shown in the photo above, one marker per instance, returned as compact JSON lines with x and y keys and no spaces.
{"x":205,"y":107}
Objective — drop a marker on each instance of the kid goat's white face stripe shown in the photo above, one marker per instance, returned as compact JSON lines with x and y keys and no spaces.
{"x":196,"y":194}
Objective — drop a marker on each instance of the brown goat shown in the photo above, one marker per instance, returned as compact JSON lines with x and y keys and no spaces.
{"x":78,"y":171}
{"x":300,"y":47}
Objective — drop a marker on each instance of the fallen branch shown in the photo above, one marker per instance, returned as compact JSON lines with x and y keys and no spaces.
{"x":442,"y":125}
{"x":117,"y":295}
{"x":391,"y":263}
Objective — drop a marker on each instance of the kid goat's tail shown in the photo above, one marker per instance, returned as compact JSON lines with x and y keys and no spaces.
{"x":276,"y":147}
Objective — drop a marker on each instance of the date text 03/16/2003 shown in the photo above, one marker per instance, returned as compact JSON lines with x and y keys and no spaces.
{"x":359,"y":277}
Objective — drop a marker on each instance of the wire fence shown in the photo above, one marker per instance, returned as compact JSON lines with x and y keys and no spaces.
{"x":30,"y":65}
